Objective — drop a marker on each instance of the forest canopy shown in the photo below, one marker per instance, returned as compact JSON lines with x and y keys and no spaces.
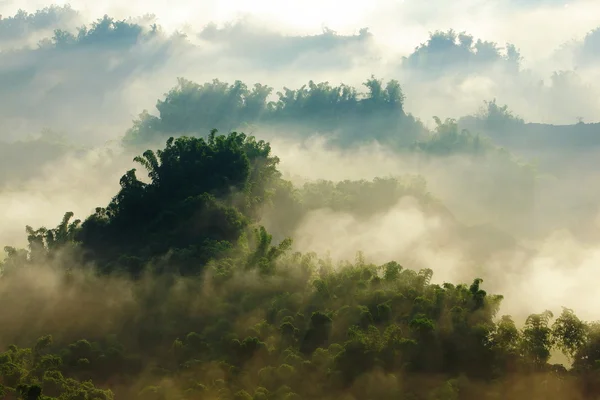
{"x":190,"y":108}
{"x":221,"y":310}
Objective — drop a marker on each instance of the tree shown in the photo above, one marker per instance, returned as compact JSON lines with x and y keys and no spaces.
{"x":569,"y":333}
{"x":537,"y":338}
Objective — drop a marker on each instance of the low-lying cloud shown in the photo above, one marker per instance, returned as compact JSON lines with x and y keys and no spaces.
{"x":92,"y":90}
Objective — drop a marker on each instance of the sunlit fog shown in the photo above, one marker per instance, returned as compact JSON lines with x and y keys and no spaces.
{"x":229,"y":199}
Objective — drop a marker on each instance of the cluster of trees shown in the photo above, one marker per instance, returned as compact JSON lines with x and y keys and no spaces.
{"x":190,"y":108}
{"x":200,"y":197}
{"x":355,"y":331}
{"x":105,"y":31}
{"x":443,"y":51}
{"x":347,"y":116}
{"x":22,"y":24}
{"x":220,"y":310}
{"x":494,"y":119}
{"x":349,"y":119}
{"x":511,"y":131}
{"x":459,"y":51}
{"x":244,"y":188}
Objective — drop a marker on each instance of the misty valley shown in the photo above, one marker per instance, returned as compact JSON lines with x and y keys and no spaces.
{"x":238,"y":208}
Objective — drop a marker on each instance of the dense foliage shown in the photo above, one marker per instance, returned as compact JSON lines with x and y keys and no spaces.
{"x":191,"y":299}
{"x":200,"y":197}
{"x":21,"y":24}
{"x":105,"y":31}
{"x":510,"y":131}
{"x":460,"y":52}
{"x":185,"y":285}
{"x":191,"y":108}
{"x":347,"y":119}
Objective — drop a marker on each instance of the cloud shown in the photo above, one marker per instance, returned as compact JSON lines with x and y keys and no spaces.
{"x":93,"y":87}
{"x":114,"y":81}
{"x":77,"y":182}
{"x":272,"y":50}
{"x":403,"y":233}
{"x":560,"y":274}
{"x":26,"y":28}
{"x":551,"y":269}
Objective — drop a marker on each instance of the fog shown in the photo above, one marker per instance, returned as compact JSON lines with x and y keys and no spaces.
{"x":104,"y":84}
{"x":550,"y":265}
{"x":91,"y":91}
{"x":77,"y":182}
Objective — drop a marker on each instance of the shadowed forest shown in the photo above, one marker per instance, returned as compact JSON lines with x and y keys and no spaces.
{"x":214,"y":214}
